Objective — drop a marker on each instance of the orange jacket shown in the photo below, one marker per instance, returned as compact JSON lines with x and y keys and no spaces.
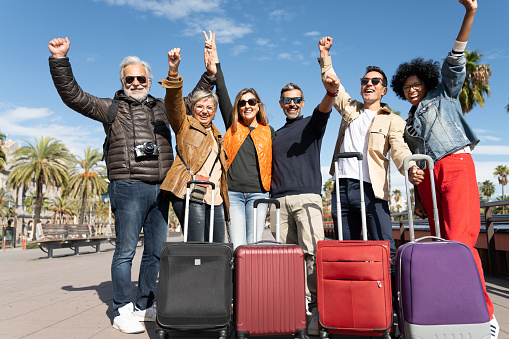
{"x":262,"y":139}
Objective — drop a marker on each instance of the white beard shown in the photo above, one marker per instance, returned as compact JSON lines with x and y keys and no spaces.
{"x":140,"y":96}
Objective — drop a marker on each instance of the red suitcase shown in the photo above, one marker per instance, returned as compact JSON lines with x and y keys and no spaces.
{"x":269,"y":287}
{"x":353,"y":279}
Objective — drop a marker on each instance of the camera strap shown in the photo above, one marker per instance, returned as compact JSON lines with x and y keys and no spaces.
{"x":132,"y":122}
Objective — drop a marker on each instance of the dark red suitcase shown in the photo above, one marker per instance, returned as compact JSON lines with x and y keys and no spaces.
{"x":353,"y":280}
{"x":269,"y":287}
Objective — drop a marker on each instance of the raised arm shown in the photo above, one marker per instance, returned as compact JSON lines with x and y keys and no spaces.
{"x":454,"y":69}
{"x":71,"y":93}
{"x":468,"y":20}
{"x":173,"y":100}
{"x":211,"y":57}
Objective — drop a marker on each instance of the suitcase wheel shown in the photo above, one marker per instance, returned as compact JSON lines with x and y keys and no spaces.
{"x":161,"y":334}
{"x":324,"y":334}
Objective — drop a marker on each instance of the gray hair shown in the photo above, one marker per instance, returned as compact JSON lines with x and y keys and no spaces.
{"x":291,"y":86}
{"x":201,"y":95}
{"x":131,"y":60}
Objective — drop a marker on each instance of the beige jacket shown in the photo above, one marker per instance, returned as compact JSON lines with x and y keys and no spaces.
{"x":193,"y":144}
{"x":385,"y":133}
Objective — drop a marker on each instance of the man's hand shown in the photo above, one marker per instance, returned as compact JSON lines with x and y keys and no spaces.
{"x":210,"y":54}
{"x":331,"y":83}
{"x":324,"y":45}
{"x":415,"y":175}
{"x":174,"y":60}
{"x":59,"y":47}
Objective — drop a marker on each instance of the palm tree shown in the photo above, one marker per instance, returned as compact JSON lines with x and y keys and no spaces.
{"x":397,"y":195}
{"x":2,"y":153}
{"x":326,"y":200}
{"x":44,"y":163}
{"x":30,"y":202}
{"x":63,"y":209}
{"x":6,"y":206}
{"x":502,"y":172}
{"x":488,"y":189}
{"x":90,"y":180}
{"x":476,"y":82}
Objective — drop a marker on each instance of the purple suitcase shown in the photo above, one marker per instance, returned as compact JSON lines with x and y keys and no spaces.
{"x":440,"y":293}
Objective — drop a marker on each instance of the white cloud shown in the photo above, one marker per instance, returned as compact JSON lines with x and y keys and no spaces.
{"x":239,"y":49}
{"x":278,"y":13}
{"x":171,"y":9}
{"x":291,"y":56}
{"x":491,"y":150}
{"x":313,"y":33}
{"x":226,"y":30}
{"x":262,"y":42}
{"x":29,"y":123}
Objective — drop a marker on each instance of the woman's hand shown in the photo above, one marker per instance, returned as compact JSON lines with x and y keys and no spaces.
{"x":210,"y":54}
{"x":174,"y":60}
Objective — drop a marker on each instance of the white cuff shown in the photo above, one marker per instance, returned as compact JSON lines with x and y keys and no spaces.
{"x":459,"y":46}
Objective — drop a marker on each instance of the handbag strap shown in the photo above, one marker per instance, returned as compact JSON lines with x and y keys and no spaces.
{"x":187,"y":167}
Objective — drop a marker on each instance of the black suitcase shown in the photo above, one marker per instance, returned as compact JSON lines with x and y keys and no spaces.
{"x":195,"y":283}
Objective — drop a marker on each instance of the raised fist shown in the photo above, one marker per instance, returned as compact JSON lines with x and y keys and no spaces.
{"x":59,"y":47}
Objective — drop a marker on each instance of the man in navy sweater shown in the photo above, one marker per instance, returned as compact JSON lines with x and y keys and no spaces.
{"x":297,"y":180}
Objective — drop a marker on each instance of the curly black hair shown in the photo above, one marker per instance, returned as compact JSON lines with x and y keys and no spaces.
{"x":427,"y":71}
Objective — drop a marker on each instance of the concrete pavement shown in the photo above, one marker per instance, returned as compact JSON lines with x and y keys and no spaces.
{"x":70,"y":296}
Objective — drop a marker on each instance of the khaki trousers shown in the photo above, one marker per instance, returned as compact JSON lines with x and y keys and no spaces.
{"x":302,"y":224}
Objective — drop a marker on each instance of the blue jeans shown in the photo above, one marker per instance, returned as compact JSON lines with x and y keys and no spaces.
{"x":199,"y":220}
{"x":378,"y":216}
{"x":137,"y":205}
{"x":241,"y":228}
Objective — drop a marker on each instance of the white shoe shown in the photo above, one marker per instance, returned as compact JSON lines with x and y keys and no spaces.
{"x":148,"y":314}
{"x":313,"y":323}
{"x":126,"y":322}
{"x":494,"y":327}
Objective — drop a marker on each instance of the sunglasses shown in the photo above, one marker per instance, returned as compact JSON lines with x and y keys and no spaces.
{"x":374,"y":81}
{"x":251,"y":102}
{"x":130,"y":79}
{"x":296,"y":100}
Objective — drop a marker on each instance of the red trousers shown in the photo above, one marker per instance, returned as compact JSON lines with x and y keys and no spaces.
{"x":458,"y":204}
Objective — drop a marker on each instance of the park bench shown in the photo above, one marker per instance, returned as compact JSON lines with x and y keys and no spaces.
{"x":51,"y":236}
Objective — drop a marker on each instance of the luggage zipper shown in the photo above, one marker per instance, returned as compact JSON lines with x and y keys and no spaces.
{"x":379,"y":284}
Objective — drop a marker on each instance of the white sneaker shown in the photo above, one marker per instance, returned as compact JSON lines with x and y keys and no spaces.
{"x":313,"y":323}
{"x":494,"y":327}
{"x":148,"y":314}
{"x":126,"y":322}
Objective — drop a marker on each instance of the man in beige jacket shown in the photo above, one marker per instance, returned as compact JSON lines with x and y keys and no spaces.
{"x":368,"y":127}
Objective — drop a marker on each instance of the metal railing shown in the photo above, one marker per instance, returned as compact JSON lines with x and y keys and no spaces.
{"x":488,"y":220}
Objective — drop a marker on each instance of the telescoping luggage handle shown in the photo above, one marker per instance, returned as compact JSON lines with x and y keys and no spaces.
{"x":278,"y":210}
{"x":430,"y":163}
{"x":336,"y":158}
{"x":186,"y":214}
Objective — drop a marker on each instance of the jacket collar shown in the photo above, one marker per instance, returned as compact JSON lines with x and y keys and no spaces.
{"x":120,"y":95}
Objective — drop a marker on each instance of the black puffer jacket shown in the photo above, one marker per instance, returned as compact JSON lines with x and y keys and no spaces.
{"x":149,"y":120}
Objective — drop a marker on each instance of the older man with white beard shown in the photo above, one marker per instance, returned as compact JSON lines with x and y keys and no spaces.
{"x":138,"y":153}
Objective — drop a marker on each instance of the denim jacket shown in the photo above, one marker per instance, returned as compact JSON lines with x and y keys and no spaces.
{"x":438,"y":128}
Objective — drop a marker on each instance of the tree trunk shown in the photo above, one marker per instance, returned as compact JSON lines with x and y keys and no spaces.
{"x":83,"y":205}
{"x":38,"y":201}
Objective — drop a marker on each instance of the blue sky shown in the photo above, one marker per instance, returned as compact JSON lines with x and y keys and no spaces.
{"x":261,"y":44}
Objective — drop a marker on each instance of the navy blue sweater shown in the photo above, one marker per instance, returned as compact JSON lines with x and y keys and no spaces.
{"x":296,"y":156}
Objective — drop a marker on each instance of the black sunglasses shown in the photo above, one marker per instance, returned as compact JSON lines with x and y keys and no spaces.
{"x":296,"y":100}
{"x":130,"y":79}
{"x":251,"y":102}
{"x":374,"y":81}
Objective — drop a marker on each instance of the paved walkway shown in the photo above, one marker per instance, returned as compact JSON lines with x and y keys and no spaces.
{"x":70,"y":296}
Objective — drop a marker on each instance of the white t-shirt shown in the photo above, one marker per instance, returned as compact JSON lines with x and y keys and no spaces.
{"x":356,"y":140}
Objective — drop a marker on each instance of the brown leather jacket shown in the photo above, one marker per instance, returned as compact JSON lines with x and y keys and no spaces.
{"x":193,"y":145}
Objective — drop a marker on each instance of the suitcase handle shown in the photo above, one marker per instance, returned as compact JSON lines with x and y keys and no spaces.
{"x":186,"y":213}
{"x":278,"y":209}
{"x":336,"y":158}
{"x":357,"y":155}
{"x":431,"y":165}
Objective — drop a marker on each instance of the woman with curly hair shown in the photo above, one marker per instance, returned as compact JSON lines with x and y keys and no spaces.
{"x":248,"y":144}
{"x":436,"y":127}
